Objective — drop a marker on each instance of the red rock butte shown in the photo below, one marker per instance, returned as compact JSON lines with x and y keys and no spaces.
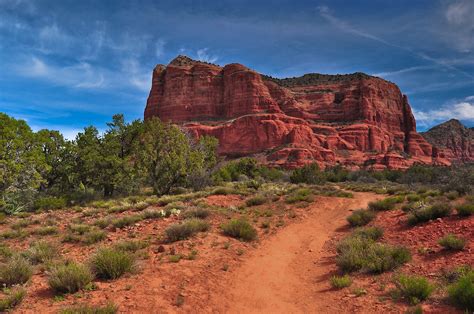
{"x":356,"y":120}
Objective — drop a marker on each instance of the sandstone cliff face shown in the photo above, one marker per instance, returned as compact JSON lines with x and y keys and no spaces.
{"x":355,"y":120}
{"x":452,"y":140}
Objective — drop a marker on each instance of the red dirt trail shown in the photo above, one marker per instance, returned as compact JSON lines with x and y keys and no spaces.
{"x":289,"y":272}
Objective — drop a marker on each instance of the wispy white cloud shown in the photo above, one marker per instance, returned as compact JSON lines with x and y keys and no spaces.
{"x":459,"y":15}
{"x":462,"y":110}
{"x":325,"y":12}
{"x":138,"y":76}
{"x":344,"y":26}
{"x":160,"y":48}
{"x":403,"y":71}
{"x":204,"y":55}
{"x":79,"y":75}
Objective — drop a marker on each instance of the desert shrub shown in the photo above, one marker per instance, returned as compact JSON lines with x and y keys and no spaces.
{"x":49,"y":203}
{"x":360,"y":217}
{"x":79,"y":228}
{"x":309,"y":174}
{"x":201,"y":213}
{"x":69,"y":278}
{"x":256,"y":200}
{"x":465,"y":210}
{"x":233,"y":170}
{"x":12,"y":299}
{"x":373,"y":233}
{"x":429,"y":213}
{"x":300,"y":195}
{"x":359,"y":253}
{"x":337,"y":174}
{"x":140,"y":206}
{"x":461,"y":293}
{"x":452,"y":275}
{"x":414,"y":288}
{"x":102,"y":223}
{"x":386,"y":204}
{"x":130,"y":245}
{"x":5,"y":252}
{"x":452,"y":195}
{"x":109,"y":263}
{"x":16,"y":271}
{"x":46,"y":230}
{"x":223,"y":190}
{"x":94,"y":236}
{"x":154,"y":214}
{"x":351,"y":253}
{"x":41,"y":252}
{"x":88,"y":309}
{"x":185,"y":229}
{"x":414,"y":197}
{"x":384,"y":257}
{"x":126,"y":221}
{"x":339,"y":282}
{"x":452,"y":242}
{"x":271,"y":174}
{"x":240,"y":229}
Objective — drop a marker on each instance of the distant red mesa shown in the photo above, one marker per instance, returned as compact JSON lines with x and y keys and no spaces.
{"x":355,"y":120}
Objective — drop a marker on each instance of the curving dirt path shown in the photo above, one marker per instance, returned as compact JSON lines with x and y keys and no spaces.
{"x":289,"y":272}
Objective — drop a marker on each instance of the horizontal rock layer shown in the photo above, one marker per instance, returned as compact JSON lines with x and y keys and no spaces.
{"x":452,"y":140}
{"x":355,"y":120}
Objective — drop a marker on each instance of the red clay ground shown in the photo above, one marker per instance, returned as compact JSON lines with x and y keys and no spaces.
{"x":287,"y":270}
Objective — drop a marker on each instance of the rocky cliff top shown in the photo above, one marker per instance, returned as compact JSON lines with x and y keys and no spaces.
{"x":356,"y":120}
{"x":454,"y":138}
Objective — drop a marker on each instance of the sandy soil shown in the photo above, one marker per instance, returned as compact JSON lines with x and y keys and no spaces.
{"x":286,"y":271}
{"x":289,"y":272}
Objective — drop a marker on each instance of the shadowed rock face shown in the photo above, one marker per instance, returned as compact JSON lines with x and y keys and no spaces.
{"x":453,"y":140}
{"x":355,"y":120}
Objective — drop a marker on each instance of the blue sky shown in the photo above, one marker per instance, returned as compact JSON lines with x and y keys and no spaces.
{"x":68,"y":64}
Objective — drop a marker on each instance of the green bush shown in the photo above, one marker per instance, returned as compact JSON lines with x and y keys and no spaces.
{"x":429,"y":213}
{"x":386,"y":204}
{"x":201,"y":213}
{"x":452,"y":242}
{"x":233,"y":170}
{"x":126,"y":221}
{"x":240,"y":229}
{"x":461,"y":293}
{"x":309,"y":174}
{"x":384,"y":257}
{"x":12,"y":299}
{"x":94,"y":236}
{"x":46,"y":230}
{"x":49,"y":203}
{"x":256,"y":200}
{"x":69,"y":278}
{"x":109,"y":263}
{"x":373,"y":233}
{"x":186,"y":229}
{"x":88,"y":309}
{"x":79,"y":228}
{"x":300,"y":195}
{"x":130,"y":245}
{"x":224,"y":190}
{"x":339,"y":282}
{"x":413,"y":197}
{"x":16,"y":271}
{"x":41,"y":252}
{"x":360,"y":253}
{"x":452,"y":195}
{"x":360,"y":217}
{"x":465,"y":210}
{"x":414,"y":288}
